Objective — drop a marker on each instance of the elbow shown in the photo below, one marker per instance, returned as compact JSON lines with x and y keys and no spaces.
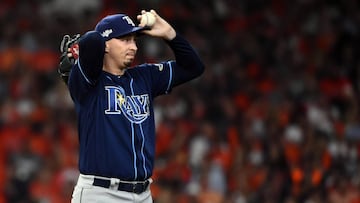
{"x":197,"y":70}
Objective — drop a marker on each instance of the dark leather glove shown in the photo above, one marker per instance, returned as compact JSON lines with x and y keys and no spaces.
{"x":69,"y":53}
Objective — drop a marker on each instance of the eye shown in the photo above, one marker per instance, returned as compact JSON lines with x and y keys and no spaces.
{"x":128,"y":39}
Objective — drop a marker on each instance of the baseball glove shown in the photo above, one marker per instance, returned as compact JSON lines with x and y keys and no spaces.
{"x":69,"y":53}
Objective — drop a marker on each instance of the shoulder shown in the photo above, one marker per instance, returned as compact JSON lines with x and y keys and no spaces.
{"x":151,"y":67}
{"x":147,"y":65}
{"x":145,"y":68}
{"x":91,"y":40}
{"x":91,"y":36}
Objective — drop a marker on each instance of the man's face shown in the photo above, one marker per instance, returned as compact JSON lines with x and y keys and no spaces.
{"x":122,"y":50}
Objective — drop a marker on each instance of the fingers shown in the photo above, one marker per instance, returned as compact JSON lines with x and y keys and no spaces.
{"x":139,"y":18}
{"x":153,"y":12}
{"x":69,"y":46}
{"x":74,"y":49}
{"x":140,"y":15}
{"x":64,"y":42}
{"x":72,"y":40}
{"x":69,"y":53}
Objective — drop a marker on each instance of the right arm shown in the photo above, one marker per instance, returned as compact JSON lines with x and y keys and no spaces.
{"x":88,"y":66}
{"x":91,"y":55}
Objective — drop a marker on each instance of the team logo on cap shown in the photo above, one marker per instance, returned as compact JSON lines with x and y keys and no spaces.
{"x":129,"y":21}
{"x":106,"y":33}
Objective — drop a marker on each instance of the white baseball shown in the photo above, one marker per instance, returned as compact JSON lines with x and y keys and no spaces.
{"x":148,"y":19}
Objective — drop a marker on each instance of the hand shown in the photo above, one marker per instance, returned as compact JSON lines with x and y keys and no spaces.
{"x":70,"y":46}
{"x":69,"y":53}
{"x":160,"y":28}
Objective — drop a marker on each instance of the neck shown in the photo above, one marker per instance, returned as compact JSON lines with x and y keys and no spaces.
{"x":114,"y":71}
{"x":113,"y":68}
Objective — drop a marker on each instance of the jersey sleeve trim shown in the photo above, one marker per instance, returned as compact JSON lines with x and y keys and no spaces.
{"x":82,"y":72}
{"x":170,"y":77}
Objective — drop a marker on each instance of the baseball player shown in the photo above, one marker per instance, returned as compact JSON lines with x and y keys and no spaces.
{"x":114,"y":104}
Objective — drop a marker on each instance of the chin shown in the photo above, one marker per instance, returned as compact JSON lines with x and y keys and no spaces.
{"x":128,"y":64}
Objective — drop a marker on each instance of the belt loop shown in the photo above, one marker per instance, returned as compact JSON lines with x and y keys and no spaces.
{"x":134,"y":188}
{"x":114,"y":183}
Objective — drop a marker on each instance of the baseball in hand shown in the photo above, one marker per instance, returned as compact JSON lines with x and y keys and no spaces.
{"x":147,"y":19}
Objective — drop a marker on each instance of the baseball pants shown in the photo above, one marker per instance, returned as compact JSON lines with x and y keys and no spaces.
{"x":86,"y":192}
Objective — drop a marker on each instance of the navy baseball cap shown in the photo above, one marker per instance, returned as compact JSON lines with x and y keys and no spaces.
{"x":117,"y":25}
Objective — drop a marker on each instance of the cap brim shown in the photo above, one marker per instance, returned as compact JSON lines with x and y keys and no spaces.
{"x":134,"y":30}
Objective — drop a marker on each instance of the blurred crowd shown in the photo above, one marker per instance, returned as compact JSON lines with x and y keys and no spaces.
{"x":274,"y":118}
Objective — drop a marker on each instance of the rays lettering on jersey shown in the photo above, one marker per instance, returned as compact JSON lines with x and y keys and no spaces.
{"x":135,"y":107}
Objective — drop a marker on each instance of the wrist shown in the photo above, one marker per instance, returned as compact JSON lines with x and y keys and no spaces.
{"x":170,"y":35}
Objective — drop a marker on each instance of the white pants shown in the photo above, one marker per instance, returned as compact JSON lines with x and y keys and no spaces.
{"x":85,"y":192}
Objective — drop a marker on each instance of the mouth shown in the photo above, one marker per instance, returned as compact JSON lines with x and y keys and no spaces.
{"x":131,"y":54}
{"x":130,"y":57}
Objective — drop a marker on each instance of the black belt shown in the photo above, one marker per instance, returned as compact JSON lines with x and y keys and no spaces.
{"x":136,"y":187}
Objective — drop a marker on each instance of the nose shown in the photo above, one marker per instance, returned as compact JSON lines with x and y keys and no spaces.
{"x":133,"y":45}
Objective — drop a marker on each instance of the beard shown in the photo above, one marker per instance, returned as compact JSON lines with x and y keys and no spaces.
{"x":128,"y":63}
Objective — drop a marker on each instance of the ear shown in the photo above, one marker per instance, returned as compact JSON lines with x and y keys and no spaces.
{"x":107,"y":47}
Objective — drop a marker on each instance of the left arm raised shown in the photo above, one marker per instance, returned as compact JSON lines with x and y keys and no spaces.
{"x":188,"y":63}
